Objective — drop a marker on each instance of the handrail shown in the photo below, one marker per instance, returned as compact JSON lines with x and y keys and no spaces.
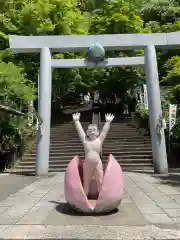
{"x":19,"y":113}
{"x":100,"y":128}
{"x":99,"y":121}
{"x":11,"y":110}
{"x":96,"y":119}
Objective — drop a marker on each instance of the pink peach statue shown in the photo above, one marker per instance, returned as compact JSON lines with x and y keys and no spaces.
{"x":87,"y":187}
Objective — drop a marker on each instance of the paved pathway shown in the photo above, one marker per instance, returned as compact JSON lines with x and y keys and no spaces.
{"x":150,"y":210}
{"x":10,"y":184}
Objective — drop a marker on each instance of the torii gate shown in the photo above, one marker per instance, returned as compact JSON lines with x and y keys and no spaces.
{"x":69,"y":43}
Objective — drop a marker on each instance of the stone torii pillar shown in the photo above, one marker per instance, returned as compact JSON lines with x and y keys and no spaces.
{"x":155,"y":111}
{"x":44,"y":111}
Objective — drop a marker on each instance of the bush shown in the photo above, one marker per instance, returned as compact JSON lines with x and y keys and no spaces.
{"x":14,"y":87}
{"x":16,"y":135}
{"x":142,"y":117}
{"x":175,"y":135}
{"x":15,"y":92}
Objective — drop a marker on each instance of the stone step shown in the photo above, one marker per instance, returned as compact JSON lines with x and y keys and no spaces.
{"x":107,"y":148}
{"x":107,"y":142}
{"x":112,"y":128}
{"x":73,"y":130}
{"x":105,"y":152}
{"x":66,"y":162}
{"x":119,"y":129}
{"x":86,"y":123}
{"x":114,"y":141}
{"x":69,"y":157}
{"x":71,"y":125}
{"x":109,"y":136}
{"x":113,"y":135}
{"x":129,"y":147}
{"x":62,"y":168}
{"x":112,"y":147}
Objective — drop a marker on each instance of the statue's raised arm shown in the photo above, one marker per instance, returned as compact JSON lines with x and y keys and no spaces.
{"x":109,"y":118}
{"x":76,"y":118}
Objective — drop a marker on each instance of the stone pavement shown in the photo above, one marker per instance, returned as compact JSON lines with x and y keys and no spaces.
{"x":150,"y":210}
{"x":10,"y":184}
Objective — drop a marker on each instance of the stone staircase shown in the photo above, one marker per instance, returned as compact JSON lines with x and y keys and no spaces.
{"x":132,"y":150}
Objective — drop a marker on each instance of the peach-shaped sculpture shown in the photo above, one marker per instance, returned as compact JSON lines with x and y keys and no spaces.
{"x":106,"y":200}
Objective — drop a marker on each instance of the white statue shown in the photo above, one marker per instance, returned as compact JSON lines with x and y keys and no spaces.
{"x":92,"y":142}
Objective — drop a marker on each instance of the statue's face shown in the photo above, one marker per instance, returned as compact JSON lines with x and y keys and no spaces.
{"x":92,"y":132}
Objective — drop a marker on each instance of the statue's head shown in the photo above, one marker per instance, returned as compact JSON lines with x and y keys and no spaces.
{"x":92,"y":132}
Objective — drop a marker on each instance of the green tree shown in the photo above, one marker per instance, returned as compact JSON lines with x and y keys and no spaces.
{"x":14,"y":87}
{"x":31,"y":17}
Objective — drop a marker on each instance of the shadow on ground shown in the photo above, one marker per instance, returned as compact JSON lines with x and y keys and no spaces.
{"x":66,"y":209}
{"x":26,"y":173}
{"x":172,"y":178}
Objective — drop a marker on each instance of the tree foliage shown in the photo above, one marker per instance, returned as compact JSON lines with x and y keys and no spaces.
{"x":19,"y":73}
{"x":14,"y":85}
{"x":31,"y":17}
{"x":57,"y":17}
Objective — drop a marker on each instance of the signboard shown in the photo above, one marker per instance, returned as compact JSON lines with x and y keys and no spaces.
{"x":38,"y":91}
{"x":172,"y":115}
{"x":140,"y":95}
{"x":30,"y":113}
{"x":145,"y":96}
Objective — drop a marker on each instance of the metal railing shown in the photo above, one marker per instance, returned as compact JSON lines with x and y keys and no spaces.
{"x":96,"y":119}
{"x":11,"y":110}
{"x":100,"y":128}
{"x":99,"y":122}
